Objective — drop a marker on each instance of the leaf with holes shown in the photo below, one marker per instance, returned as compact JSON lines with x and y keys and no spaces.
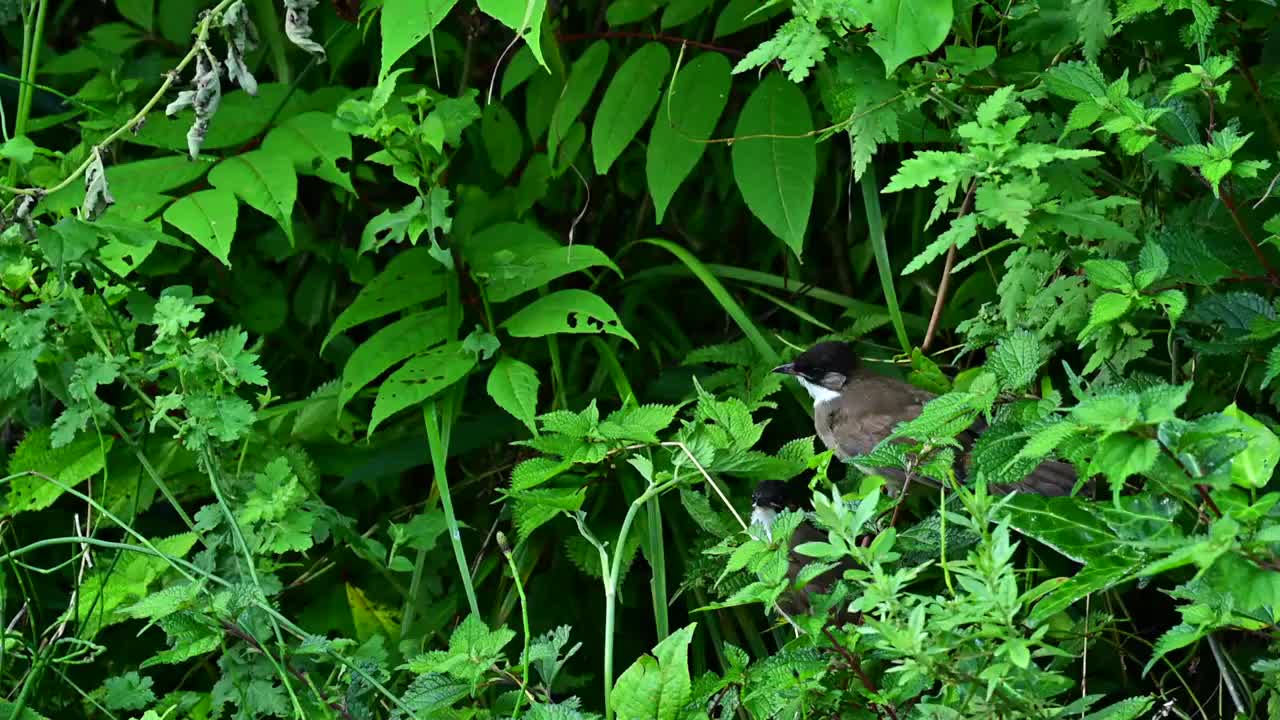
{"x":523,"y":16}
{"x":393,"y":343}
{"x":419,"y":379}
{"x":264,"y":181}
{"x":314,"y":145}
{"x":685,"y":119}
{"x":209,"y":217}
{"x":627,"y":103}
{"x":514,"y":386}
{"x":567,"y":311}
{"x":775,"y":161}
{"x":412,"y":277}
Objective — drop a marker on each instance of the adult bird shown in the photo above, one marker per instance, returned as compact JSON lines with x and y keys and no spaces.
{"x":854,"y":409}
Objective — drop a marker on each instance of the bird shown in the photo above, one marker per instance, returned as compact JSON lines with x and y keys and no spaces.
{"x":770,"y":498}
{"x":854,"y":409}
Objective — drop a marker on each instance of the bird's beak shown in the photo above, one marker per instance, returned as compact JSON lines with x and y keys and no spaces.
{"x":786,"y":369}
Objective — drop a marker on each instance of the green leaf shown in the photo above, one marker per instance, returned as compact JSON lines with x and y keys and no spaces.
{"x":1122,"y":455}
{"x":523,"y":16}
{"x":906,"y":29}
{"x":1016,"y":359}
{"x":1254,"y":466}
{"x":412,"y":277}
{"x":313,"y":144}
{"x":502,"y":141}
{"x":583,"y":77}
{"x":567,"y":311}
{"x":739,"y":15}
{"x":264,"y":181}
{"x":130,"y":691}
{"x":419,"y":379}
{"x":1127,"y":709}
{"x":774,"y":159}
{"x":1107,"y":308}
{"x":962,"y":230}
{"x":1108,"y":274}
{"x":401,"y":339}
{"x":657,"y":687}
{"x":685,"y":119}
{"x":514,"y":258}
{"x":209,"y":217}
{"x":627,"y":103}
{"x":514,"y":386}
{"x":405,"y":23}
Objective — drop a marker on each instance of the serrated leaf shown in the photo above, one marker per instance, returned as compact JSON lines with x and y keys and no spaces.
{"x":686,"y":117}
{"x":774,"y":159}
{"x":962,"y":230}
{"x":70,"y":465}
{"x":640,"y":423}
{"x":412,"y":277}
{"x":1108,"y":274}
{"x":264,"y":181}
{"x":209,"y":217}
{"x":1016,"y":359}
{"x":567,"y":311}
{"x":401,"y":339}
{"x":514,"y":386}
{"x":627,"y":103}
{"x":419,"y":379}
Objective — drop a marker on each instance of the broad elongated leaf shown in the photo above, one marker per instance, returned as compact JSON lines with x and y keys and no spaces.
{"x":685,"y":119}
{"x":314,"y":146}
{"x":405,"y":23}
{"x":393,"y":343}
{"x":523,"y":16}
{"x":412,"y":277}
{"x":515,"y":258}
{"x":501,"y":136}
{"x":627,"y":103}
{"x":419,"y":379}
{"x":209,"y":217}
{"x":775,"y":161}
{"x":1099,"y":575}
{"x":906,"y":29}
{"x":583,"y":77}
{"x":567,"y":311}
{"x":514,"y":386}
{"x":264,"y":181}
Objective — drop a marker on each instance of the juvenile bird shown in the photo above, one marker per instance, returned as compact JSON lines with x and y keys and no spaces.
{"x":854,"y":409}
{"x":770,"y":498}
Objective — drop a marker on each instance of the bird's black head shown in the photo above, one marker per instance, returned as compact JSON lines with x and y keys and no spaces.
{"x":827,"y":365}
{"x":775,"y":495}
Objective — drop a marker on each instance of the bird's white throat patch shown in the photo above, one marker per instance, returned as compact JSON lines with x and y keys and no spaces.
{"x":764,"y":517}
{"x":817,"y":392}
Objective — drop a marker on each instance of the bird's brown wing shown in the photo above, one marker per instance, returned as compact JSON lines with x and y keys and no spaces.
{"x":1052,"y":478}
{"x":797,"y":601}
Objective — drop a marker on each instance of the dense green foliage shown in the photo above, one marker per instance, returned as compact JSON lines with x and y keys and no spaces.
{"x":412,"y":359}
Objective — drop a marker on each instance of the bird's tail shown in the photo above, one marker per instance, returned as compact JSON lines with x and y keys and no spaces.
{"x":1052,"y":478}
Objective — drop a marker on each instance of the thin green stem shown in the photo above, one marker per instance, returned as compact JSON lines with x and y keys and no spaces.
{"x":524,"y":620}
